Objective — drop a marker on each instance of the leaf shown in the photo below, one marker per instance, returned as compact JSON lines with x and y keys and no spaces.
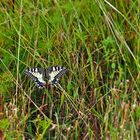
{"x":62,"y":99}
{"x":4,"y":124}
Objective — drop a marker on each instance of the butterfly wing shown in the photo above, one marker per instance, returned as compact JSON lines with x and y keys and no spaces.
{"x":37,"y":75}
{"x":54,"y":73}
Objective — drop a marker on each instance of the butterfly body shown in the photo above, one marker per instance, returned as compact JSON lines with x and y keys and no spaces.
{"x":52,"y":74}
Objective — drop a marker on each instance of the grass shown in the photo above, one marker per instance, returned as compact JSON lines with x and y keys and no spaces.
{"x":99,"y":42}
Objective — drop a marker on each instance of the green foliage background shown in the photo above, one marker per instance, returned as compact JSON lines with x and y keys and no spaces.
{"x":99,"y":42}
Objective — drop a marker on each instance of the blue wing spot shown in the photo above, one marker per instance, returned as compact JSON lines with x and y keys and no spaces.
{"x":54,"y":82}
{"x":40,"y":84}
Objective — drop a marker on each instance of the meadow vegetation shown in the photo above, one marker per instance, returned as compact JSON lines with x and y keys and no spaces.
{"x":98,"y":41}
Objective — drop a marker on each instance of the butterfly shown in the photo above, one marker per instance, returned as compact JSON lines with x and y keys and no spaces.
{"x":52,"y":74}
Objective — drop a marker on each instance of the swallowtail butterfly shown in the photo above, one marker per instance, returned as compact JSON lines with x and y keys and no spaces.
{"x":52,"y":74}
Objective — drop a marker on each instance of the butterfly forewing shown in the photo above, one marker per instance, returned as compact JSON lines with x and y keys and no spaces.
{"x":29,"y":73}
{"x":55,"y":73}
{"x":36,"y":74}
{"x":60,"y":74}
